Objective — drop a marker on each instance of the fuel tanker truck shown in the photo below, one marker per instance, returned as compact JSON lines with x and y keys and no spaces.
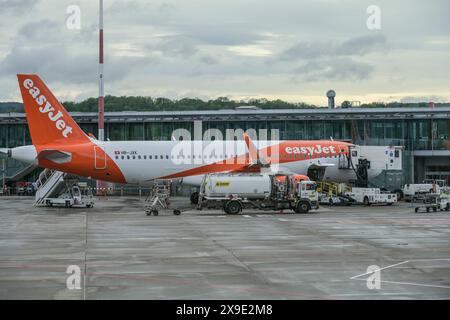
{"x":234,"y":192}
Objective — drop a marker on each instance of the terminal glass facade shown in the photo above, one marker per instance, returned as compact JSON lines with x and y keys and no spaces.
{"x":414,"y":134}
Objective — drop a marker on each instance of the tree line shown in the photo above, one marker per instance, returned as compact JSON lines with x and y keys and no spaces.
{"x":139,"y":103}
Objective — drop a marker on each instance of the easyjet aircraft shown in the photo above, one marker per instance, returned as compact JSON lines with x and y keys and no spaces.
{"x":60,"y":144}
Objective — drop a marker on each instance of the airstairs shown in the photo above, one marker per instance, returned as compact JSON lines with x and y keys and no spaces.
{"x":51,"y":184}
{"x":158,"y":196}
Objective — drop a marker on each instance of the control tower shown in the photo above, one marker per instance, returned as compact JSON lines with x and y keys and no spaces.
{"x":331,"y":94}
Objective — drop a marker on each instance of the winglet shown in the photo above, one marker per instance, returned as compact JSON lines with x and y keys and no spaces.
{"x":254,"y":155}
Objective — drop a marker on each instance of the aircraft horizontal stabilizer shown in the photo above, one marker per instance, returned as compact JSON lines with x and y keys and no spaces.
{"x":55,"y":156}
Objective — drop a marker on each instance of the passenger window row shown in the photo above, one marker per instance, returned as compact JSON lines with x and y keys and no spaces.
{"x":144,"y":157}
{"x":161,"y":157}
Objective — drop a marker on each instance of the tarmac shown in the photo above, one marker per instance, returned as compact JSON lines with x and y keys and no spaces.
{"x":120,"y":253}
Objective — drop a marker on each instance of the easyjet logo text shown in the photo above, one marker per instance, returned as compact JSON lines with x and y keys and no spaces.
{"x":311,"y":150}
{"x":47,"y":108}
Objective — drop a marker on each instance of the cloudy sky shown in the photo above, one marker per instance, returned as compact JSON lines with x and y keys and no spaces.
{"x":289,"y":49}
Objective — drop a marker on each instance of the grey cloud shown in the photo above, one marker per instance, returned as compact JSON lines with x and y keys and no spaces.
{"x":208,"y":60}
{"x":354,"y":46}
{"x":183,"y":49}
{"x":223,"y":35}
{"x":52,"y":61}
{"x":334,"y":69}
{"x":42,"y":33}
{"x":362,"y":45}
{"x":307,"y":50}
{"x":175,"y":46}
{"x":56,"y":63}
{"x":133,"y":12}
{"x":16,"y":6}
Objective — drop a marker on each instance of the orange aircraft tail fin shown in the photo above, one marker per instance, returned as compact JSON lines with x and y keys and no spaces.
{"x":48,"y":120}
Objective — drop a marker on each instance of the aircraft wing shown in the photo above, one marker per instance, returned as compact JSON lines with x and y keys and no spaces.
{"x":321,"y":165}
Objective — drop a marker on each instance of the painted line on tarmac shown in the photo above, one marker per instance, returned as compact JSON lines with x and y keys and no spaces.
{"x":412,"y":284}
{"x":431,"y":259}
{"x":367,"y":273}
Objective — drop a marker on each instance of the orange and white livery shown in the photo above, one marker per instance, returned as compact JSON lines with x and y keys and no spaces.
{"x":60,"y":144}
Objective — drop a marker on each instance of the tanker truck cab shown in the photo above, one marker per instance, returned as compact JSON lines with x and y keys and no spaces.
{"x":307,"y":197}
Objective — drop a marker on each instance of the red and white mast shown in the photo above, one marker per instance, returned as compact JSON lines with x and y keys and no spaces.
{"x":101,"y":89}
{"x":101,"y":93}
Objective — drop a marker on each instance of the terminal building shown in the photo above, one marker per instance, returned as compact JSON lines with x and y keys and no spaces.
{"x":423,"y":132}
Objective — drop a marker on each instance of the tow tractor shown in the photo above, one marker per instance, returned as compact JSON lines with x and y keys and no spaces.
{"x":369,"y":196}
{"x":438,"y":200}
{"x":433,"y":202}
{"x":235,"y":192}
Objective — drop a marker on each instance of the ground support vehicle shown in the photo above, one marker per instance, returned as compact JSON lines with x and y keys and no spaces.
{"x":369,"y":196}
{"x":236,"y":192}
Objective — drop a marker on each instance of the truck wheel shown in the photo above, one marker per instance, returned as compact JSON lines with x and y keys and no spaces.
{"x":399,"y":194}
{"x":194,"y":197}
{"x":155,"y":212}
{"x":428,"y":209}
{"x":366,"y":201}
{"x":302,"y":207}
{"x":67,"y":204}
{"x":447,"y":207}
{"x":233,"y":207}
{"x":416,"y":209}
{"x":225,"y":207}
{"x":176,"y":212}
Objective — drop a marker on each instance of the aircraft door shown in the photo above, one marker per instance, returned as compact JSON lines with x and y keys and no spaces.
{"x":316,"y":173}
{"x":100,"y":158}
